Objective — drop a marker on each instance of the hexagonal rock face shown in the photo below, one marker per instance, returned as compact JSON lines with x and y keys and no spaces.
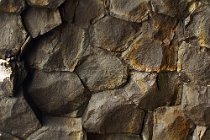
{"x":178,"y":8}
{"x":194,"y":62}
{"x":112,"y":34}
{"x":87,"y":11}
{"x":16,"y":113}
{"x":100,"y":71}
{"x":6,"y":136}
{"x":59,"y":50}
{"x":38,"y":21}
{"x":149,"y":55}
{"x":170,"y":124}
{"x":12,"y":35}
{"x":199,"y":26}
{"x":55,"y":128}
{"x":57,"y":93}
{"x":130,"y":10}
{"x":45,"y":3}
{"x":145,"y":55}
{"x":113,"y":137}
{"x":142,"y":89}
{"x":156,"y":48}
{"x":196,"y":104}
{"x":12,"y":6}
{"x":107,"y":112}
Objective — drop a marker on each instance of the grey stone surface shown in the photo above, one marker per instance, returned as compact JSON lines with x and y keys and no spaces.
{"x":113,"y":34}
{"x":16,"y":117}
{"x":59,"y":128}
{"x":59,"y":50}
{"x":45,"y":3}
{"x":170,"y":124}
{"x":12,"y":35}
{"x":198,"y":26}
{"x":38,"y":21}
{"x":57,"y":93}
{"x":104,"y":69}
{"x":195,"y":103}
{"x":177,"y":9}
{"x":108,"y":112}
{"x":100,"y":70}
{"x":130,"y":10}
{"x":194,"y":62}
{"x":89,"y":11}
{"x":155,"y":49}
{"x":12,"y":6}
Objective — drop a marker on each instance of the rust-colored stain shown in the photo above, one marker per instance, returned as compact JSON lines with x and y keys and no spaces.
{"x":169,"y":58}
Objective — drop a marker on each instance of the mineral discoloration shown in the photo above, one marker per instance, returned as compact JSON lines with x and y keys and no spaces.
{"x":104,"y":69}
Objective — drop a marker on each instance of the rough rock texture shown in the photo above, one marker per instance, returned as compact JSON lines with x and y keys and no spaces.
{"x":195,"y":103}
{"x":59,"y":50}
{"x":59,"y":128}
{"x":45,"y":3}
{"x":105,"y":108}
{"x":104,"y":69}
{"x":46,"y":92}
{"x":12,"y":35}
{"x":16,"y":117}
{"x":39,"y":21}
{"x":130,"y":10}
{"x":194,"y":62}
{"x":100,"y":70}
{"x":112,"y":34}
{"x":177,"y":9}
{"x":199,"y":26}
{"x":88,"y":11}
{"x":170,"y":124}
{"x":12,"y":6}
{"x":156,"y":48}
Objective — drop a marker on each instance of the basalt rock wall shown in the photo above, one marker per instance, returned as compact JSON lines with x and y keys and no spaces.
{"x":104,"y":70}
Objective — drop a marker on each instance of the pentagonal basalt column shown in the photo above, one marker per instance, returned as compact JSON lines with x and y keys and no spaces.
{"x":109,"y":112}
{"x":113,"y":34}
{"x":59,"y":50}
{"x":100,"y":70}
{"x":57,"y":93}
